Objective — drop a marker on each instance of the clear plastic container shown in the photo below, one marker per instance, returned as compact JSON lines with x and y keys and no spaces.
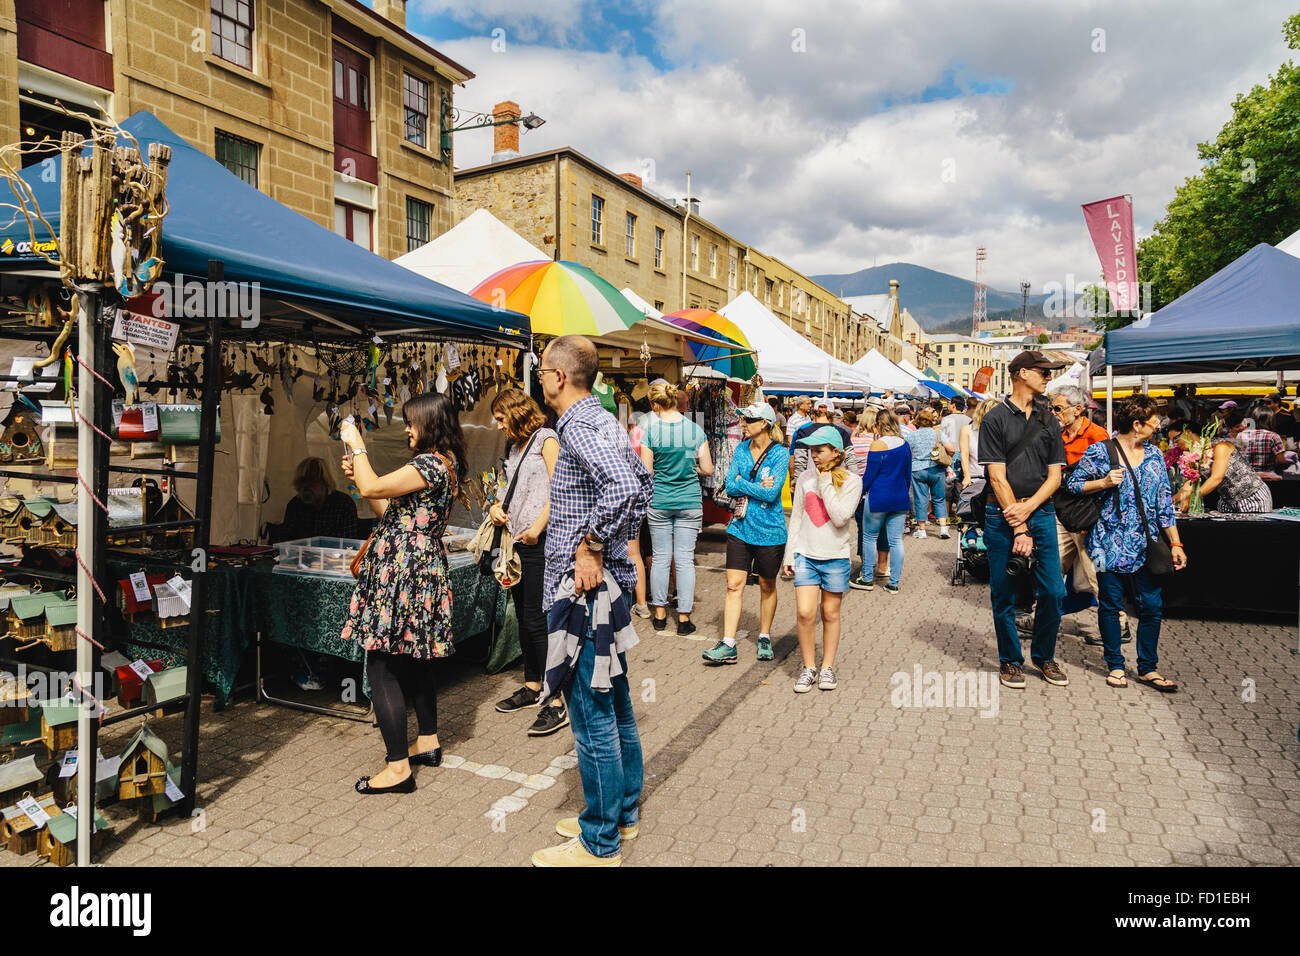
{"x":457,"y":538}
{"x":331,"y":557}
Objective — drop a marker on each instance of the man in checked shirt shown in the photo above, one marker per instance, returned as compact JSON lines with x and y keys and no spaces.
{"x":599,"y":493}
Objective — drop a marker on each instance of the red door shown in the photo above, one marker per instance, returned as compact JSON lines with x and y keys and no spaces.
{"x":352,"y":114}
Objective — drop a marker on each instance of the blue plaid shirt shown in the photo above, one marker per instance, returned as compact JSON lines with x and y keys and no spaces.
{"x":600,"y":487}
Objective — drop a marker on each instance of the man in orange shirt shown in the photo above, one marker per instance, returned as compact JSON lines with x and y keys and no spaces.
{"x":1077,"y":433}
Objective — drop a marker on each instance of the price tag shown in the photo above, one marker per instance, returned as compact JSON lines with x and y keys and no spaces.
{"x":149,"y":412}
{"x":378,"y":340}
{"x":107,"y":766}
{"x":118,"y":405}
{"x":453,"y":356}
{"x":182,"y":589}
{"x":140,"y":587}
{"x":387,"y":382}
{"x":32,"y":809}
{"x":72,"y":812}
{"x":69,"y":765}
{"x":141,"y":669}
{"x":172,"y":791}
{"x":373,"y":408}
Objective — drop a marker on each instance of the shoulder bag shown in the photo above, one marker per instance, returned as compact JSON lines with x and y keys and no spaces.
{"x":938,"y":453}
{"x":1160,"y":555}
{"x":355,"y":566}
{"x":740,"y":505}
{"x":508,"y":575}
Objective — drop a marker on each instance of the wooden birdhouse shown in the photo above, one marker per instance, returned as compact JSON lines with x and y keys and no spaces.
{"x":26,"y":615}
{"x":25,"y":521}
{"x":130,"y":685}
{"x":142,"y":771}
{"x":20,"y":440}
{"x":150,"y":808}
{"x":18,"y":776}
{"x":61,"y":446}
{"x":171,"y":608}
{"x":57,"y":840}
{"x":59,"y":724}
{"x":61,"y":625}
{"x":59,"y":529}
{"x":15,"y":701}
{"x":164,"y":685}
{"x":130,"y":604}
{"x":126,"y":509}
{"x":17,"y":831}
{"x":17,"y":738}
{"x":171,"y":509}
{"x":65,"y":788}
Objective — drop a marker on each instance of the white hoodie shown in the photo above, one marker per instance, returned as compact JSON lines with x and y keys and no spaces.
{"x":821,"y":517}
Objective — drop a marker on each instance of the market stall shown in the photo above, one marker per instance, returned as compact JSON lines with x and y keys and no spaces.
{"x":318,"y":306}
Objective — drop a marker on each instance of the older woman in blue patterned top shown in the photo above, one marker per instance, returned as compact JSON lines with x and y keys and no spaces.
{"x":1117,"y":543}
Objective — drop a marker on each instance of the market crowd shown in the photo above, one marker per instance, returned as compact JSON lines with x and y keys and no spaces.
{"x":599,"y":518}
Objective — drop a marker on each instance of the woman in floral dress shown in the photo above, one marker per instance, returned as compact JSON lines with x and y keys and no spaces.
{"x":401,"y":607}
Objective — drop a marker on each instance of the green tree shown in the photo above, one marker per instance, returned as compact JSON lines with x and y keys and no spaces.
{"x":1044,"y":338}
{"x":1246,"y":193}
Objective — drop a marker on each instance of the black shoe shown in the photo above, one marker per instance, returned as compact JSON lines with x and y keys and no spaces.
{"x":1094,"y":640}
{"x":520,"y":699}
{"x":430,"y":758}
{"x":1127,"y":638}
{"x":685,"y":628}
{"x":406,"y":786}
{"x":659,"y":623}
{"x":549,"y":720}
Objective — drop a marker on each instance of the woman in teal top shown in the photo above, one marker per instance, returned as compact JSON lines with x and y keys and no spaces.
{"x":681,"y":454}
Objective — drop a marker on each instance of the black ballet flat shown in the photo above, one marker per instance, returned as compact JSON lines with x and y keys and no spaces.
{"x":406,"y":786}
{"x":430,"y":758}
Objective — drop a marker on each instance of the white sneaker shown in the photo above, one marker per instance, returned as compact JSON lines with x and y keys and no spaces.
{"x":944,"y":533}
{"x":919,"y":533}
{"x":807,"y":678}
{"x":827,"y":679}
{"x":640,"y":610}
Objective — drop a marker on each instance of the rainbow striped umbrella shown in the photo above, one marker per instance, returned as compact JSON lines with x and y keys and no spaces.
{"x":561,"y":298}
{"x":735,"y":358}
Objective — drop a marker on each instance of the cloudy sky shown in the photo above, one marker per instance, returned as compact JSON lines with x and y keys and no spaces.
{"x":838,"y":135}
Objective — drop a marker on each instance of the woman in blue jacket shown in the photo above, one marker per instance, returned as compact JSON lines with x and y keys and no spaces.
{"x":885,"y":485}
{"x":756,"y":534}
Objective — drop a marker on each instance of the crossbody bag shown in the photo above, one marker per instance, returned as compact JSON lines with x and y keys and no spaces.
{"x":1160,"y":554}
{"x":740,"y":505}
{"x":485,"y":561}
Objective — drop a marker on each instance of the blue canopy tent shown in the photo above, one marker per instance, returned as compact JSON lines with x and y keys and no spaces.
{"x":1244,"y":317}
{"x":940,"y":389}
{"x":296,"y":262}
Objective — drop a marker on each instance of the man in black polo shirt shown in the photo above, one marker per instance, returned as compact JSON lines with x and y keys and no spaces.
{"x":1022,"y":452}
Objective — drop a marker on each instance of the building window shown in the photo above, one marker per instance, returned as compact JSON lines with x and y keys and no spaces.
{"x":597,"y":220}
{"x":415,"y":98}
{"x":419,"y":215}
{"x":232,"y":31}
{"x":713,"y":261}
{"x":767,"y":291}
{"x":965,"y":361}
{"x":659,"y":305}
{"x":629,"y":241}
{"x":952,"y":361}
{"x":695,"y":253}
{"x":240,"y":156}
{"x":353,"y":223}
{"x":731,"y":272}
{"x":659,"y":249}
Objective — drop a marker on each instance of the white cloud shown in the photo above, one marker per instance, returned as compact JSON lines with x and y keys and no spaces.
{"x":800,"y":154}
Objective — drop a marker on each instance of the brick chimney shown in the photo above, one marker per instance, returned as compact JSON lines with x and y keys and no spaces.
{"x":632,"y":178}
{"x":392,"y":10}
{"x":505,"y":139}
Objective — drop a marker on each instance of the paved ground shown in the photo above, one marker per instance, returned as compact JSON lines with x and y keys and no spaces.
{"x":740,"y":770}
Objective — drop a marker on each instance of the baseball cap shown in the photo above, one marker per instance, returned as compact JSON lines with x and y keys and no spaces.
{"x":826,"y":435}
{"x":759,"y":410}
{"x":823,"y":404}
{"x":1228,"y":404}
{"x":1030,"y":359}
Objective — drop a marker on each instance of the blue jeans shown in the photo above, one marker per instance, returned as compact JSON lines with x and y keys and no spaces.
{"x":1049,"y":585}
{"x":893,"y":523}
{"x":672,"y":537}
{"x":1150,"y":607}
{"x":609,"y":755}
{"x":926,"y":484}
{"x":829,"y":574}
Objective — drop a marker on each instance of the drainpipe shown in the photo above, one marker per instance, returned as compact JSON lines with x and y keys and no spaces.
{"x":685,"y":219}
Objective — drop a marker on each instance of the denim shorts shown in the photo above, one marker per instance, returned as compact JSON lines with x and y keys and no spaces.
{"x":829,"y":574}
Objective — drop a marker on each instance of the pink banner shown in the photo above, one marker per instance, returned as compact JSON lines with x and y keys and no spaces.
{"x":1110,"y":223}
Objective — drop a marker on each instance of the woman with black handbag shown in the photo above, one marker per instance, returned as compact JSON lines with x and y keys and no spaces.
{"x":1128,"y":543}
{"x":524,"y":511}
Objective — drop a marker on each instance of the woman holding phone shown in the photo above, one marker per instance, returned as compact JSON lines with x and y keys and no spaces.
{"x":401,"y":606}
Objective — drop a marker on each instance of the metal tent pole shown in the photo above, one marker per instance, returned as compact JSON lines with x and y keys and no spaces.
{"x":1110,"y":398}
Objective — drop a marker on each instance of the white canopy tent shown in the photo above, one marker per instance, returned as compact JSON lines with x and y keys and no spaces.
{"x":786,"y":359}
{"x":885,"y":375}
{"x":1291,"y":244}
{"x":470,"y":251}
{"x":1070,"y":376}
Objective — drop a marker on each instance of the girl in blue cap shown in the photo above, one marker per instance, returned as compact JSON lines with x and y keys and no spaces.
{"x":818,"y":550}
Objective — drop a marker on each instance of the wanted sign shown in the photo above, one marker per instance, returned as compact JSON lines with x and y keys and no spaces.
{"x":145,"y":330}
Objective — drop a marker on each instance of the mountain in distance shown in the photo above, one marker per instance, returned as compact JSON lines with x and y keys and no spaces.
{"x":934,"y":298}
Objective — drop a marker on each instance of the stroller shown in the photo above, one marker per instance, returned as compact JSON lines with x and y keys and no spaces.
{"x":972,"y":556}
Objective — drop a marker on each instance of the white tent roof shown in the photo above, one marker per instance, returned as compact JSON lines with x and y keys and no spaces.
{"x":470,"y":251}
{"x":785,"y":358}
{"x":1291,"y":244}
{"x":645,"y":307}
{"x":879,"y":307}
{"x":884,"y":374}
{"x":1069,"y":377}
{"x":911,"y":369}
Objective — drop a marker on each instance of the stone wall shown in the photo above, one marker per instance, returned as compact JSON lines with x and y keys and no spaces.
{"x":522,"y":197}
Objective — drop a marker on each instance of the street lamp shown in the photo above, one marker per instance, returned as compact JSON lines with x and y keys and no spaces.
{"x":455,"y":120}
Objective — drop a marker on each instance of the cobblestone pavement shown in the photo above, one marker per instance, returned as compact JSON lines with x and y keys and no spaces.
{"x":740,"y":770}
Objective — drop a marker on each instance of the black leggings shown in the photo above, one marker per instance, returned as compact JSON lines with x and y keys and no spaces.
{"x":527,"y":595}
{"x":396,"y":679}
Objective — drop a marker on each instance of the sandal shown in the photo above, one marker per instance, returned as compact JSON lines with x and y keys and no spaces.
{"x":1162,"y":684}
{"x":1116,"y":679}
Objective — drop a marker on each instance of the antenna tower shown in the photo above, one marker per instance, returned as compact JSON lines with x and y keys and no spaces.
{"x":1024,"y":303}
{"x":981,"y":293}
